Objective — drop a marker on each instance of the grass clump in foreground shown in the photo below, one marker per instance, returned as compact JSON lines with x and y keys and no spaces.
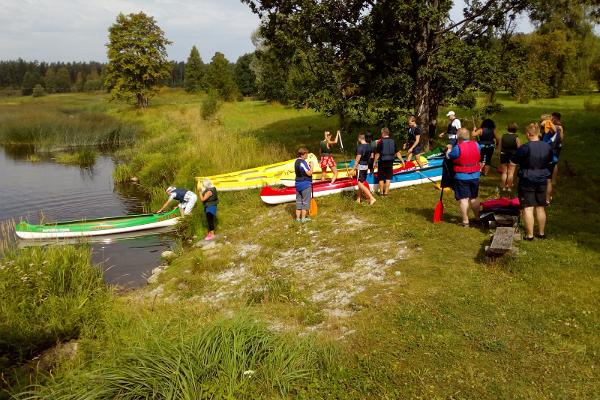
{"x":47,"y":295}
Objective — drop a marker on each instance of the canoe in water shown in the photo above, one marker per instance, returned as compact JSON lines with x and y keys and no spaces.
{"x":97,"y":227}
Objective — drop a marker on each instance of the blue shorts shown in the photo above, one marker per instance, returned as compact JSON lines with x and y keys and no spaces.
{"x":210,"y":210}
{"x":468,"y":189}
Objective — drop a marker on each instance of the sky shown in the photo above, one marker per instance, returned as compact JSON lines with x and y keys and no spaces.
{"x":77,"y":30}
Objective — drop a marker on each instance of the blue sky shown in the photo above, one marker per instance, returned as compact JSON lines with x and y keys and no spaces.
{"x":77,"y":30}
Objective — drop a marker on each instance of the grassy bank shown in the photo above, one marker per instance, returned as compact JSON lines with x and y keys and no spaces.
{"x":364,"y":302}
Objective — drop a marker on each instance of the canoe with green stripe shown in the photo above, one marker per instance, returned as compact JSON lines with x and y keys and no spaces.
{"x":97,"y":227}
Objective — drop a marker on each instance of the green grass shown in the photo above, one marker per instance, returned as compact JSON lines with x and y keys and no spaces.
{"x":82,"y":157}
{"x":413,"y":308}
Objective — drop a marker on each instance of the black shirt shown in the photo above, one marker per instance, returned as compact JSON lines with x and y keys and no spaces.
{"x":364,"y":151}
{"x":533,"y":159}
{"x":413,"y":133}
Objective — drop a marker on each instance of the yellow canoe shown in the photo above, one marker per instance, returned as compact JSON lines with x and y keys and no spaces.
{"x":253,"y":177}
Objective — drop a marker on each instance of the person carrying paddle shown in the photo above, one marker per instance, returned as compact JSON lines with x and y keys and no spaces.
{"x":384,"y":159}
{"x":186,"y":198}
{"x":508,"y":146}
{"x":210,"y":198}
{"x":327,"y":157}
{"x":465,"y":156}
{"x":413,"y":140}
{"x":453,"y":127}
{"x":304,"y":173}
{"x":488,"y":140}
{"x":533,"y":159}
{"x":361,"y":164}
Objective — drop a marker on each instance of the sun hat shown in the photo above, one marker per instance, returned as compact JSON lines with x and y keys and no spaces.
{"x":170,"y":189}
{"x":450,"y":114}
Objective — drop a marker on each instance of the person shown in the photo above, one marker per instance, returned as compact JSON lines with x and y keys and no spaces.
{"x":453,"y":127}
{"x":509,"y":144}
{"x":465,"y":156}
{"x":555,"y":142}
{"x":186,"y":198}
{"x":361,"y":164}
{"x":210,"y":198}
{"x":533,"y":159}
{"x":304,"y":173}
{"x":327,"y":157}
{"x":384,"y":158}
{"x":373,"y":144}
{"x":413,"y":140}
{"x":488,"y":140}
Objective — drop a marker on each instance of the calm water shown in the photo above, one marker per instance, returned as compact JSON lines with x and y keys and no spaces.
{"x":64,"y":192}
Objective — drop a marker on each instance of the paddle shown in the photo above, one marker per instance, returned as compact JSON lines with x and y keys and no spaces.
{"x":439,"y":209}
{"x":312,"y":211}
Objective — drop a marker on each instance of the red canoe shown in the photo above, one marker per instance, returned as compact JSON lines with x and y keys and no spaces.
{"x":272,"y":195}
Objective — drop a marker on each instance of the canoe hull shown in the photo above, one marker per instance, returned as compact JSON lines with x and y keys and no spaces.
{"x":287,"y":195}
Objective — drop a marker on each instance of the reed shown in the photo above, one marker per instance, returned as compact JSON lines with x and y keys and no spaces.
{"x":85,"y":157}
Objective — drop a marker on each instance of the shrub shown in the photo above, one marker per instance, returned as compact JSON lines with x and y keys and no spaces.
{"x":210,"y":105}
{"x":491,"y":109}
{"x":466,"y":100}
{"x":38,"y":91}
{"x":592,"y":104}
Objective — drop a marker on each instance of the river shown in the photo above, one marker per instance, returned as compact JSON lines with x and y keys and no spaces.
{"x":66,"y":192}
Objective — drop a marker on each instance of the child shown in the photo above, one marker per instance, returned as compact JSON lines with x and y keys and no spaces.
{"x":210,"y":199}
{"x":326,"y":156}
{"x":361,"y":163}
{"x":508,"y":146}
{"x":413,"y":140}
{"x":303,"y":185}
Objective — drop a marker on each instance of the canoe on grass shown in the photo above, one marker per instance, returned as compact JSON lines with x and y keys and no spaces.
{"x":271,"y":195}
{"x":412,"y":174}
{"x":97,"y":227}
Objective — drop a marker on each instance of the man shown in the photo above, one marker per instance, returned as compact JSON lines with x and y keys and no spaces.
{"x":384,"y":159}
{"x":533,"y":159}
{"x":303,"y":185}
{"x":465,"y":157}
{"x":453,"y":127}
{"x":186,"y":198}
{"x":414,"y":140}
{"x":556,"y":142}
{"x":361,"y":164}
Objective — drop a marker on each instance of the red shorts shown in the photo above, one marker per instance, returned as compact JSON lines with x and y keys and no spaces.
{"x":327,"y":161}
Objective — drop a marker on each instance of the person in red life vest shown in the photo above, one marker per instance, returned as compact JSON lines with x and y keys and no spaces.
{"x":361,"y":164}
{"x":533,"y":159}
{"x":387,"y":151}
{"x":327,"y":157}
{"x":465,"y":156}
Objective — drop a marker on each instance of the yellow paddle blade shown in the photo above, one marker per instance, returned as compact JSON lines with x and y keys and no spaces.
{"x":313,"y":208}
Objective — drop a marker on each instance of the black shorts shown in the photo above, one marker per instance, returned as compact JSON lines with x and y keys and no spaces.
{"x":371,"y":162}
{"x":487,"y":151}
{"x":505,"y":157}
{"x":385,"y":170}
{"x":362,"y":175}
{"x":468,"y":189}
{"x":417,"y":150}
{"x":532,"y":195}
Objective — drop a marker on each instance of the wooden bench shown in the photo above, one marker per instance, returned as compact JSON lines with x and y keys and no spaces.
{"x":501,"y":242}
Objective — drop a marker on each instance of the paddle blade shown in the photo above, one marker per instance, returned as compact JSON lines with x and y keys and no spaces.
{"x":438,"y":212}
{"x":313,"y":208}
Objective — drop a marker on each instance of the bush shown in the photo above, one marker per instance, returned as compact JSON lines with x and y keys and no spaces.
{"x":592,"y":104}
{"x":466,"y":100}
{"x":210,"y":105}
{"x":491,"y":109}
{"x":38,"y":91}
{"x":47,"y":295}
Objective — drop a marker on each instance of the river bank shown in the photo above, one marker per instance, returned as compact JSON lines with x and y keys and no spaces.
{"x":364,"y":302}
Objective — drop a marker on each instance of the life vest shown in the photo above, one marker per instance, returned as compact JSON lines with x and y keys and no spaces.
{"x":388,"y":149}
{"x":301,"y":175}
{"x":324,"y":149}
{"x":180,"y":194}
{"x":468,"y":158}
{"x":213,"y":200}
{"x":452,"y":130}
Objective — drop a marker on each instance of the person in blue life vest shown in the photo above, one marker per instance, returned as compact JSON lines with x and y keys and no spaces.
{"x":210,"y":199}
{"x":384,"y":160}
{"x":533,"y":159}
{"x":304,"y":173}
{"x":361,"y":164}
{"x":465,"y":156}
{"x":186,"y":198}
{"x":413,"y":141}
{"x":453,"y":127}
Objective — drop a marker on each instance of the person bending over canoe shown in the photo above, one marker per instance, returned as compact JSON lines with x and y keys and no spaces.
{"x":210,"y":199}
{"x":327,"y":157}
{"x":384,"y":159}
{"x":186,"y":198}
{"x":304,"y":173}
{"x":361,"y":163}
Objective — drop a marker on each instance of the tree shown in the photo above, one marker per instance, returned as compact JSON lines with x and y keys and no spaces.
{"x":220,"y":78}
{"x":63,"y":80}
{"x":194,"y":72}
{"x":137,"y":58}
{"x":244,"y":76}
{"x":30,"y":80}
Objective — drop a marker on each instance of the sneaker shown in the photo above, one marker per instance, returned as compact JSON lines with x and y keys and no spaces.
{"x":540,"y":236}
{"x":529,"y":239}
{"x":307,"y":219}
{"x":210,"y":236}
{"x":298,"y":220}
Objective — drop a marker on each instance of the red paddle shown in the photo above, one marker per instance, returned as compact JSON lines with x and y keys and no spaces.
{"x":439,"y":209}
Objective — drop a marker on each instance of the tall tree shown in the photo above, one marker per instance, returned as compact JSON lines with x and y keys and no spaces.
{"x":194,"y":72}
{"x":244,"y":76}
{"x":30,"y":79}
{"x":219,"y":77}
{"x":137,"y":58}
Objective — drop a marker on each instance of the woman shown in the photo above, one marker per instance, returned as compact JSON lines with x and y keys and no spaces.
{"x":210,"y":199}
{"x":508,"y":146}
{"x":488,"y":140}
{"x":327,"y":157}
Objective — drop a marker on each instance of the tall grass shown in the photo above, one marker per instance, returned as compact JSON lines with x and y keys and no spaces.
{"x":47,"y":295}
{"x":230,"y":358}
{"x":85,"y":157}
